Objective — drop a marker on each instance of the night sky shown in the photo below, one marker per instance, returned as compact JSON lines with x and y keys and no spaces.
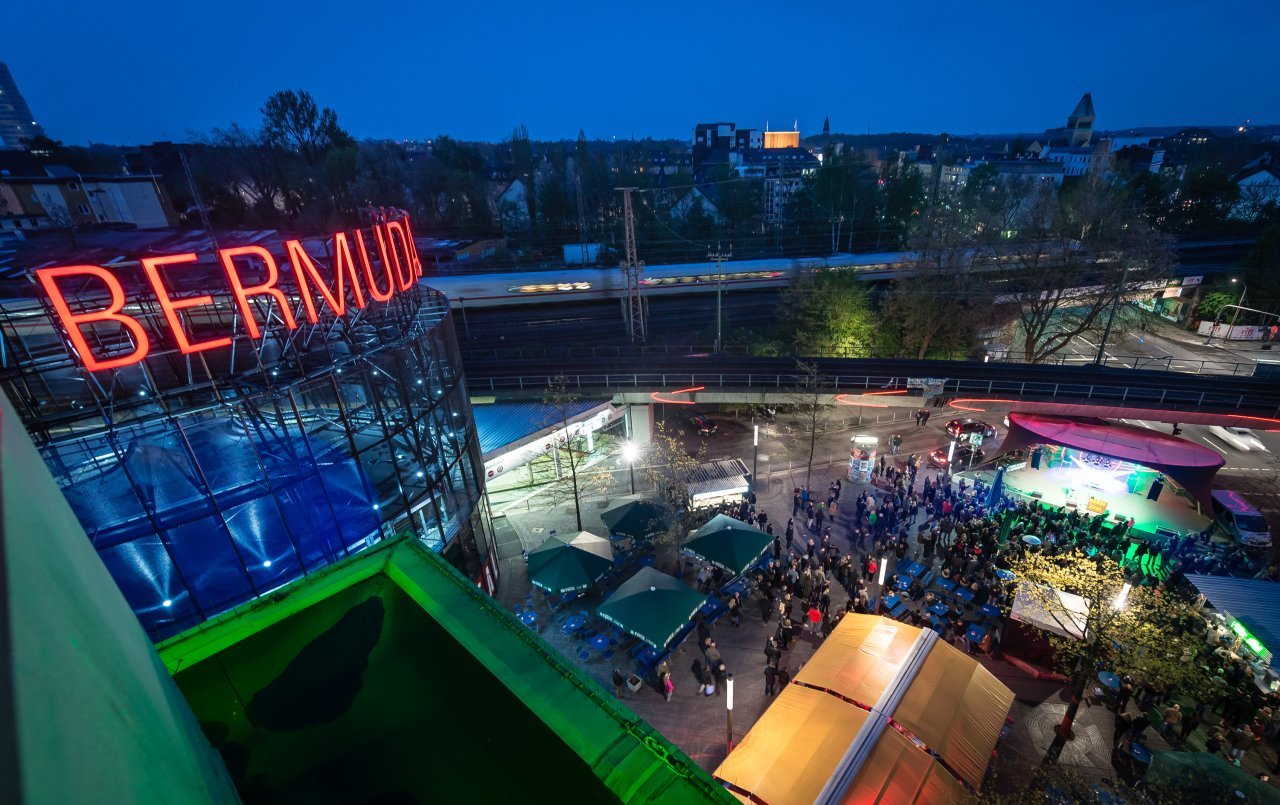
{"x":141,"y":70}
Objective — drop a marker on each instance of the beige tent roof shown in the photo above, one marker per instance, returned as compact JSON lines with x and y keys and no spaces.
{"x":860,"y":658}
{"x":795,"y":746}
{"x":857,"y":723}
{"x":956,"y":707}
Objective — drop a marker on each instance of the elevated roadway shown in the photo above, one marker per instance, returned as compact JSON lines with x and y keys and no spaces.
{"x":686,"y":379}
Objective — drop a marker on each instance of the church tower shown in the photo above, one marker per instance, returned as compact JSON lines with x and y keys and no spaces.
{"x":1080,"y":122}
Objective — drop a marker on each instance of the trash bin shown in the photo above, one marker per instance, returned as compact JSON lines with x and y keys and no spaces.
{"x":634,"y":683}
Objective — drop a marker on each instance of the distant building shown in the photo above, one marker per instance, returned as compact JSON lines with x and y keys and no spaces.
{"x":1079,"y":129}
{"x":781,"y":139}
{"x":16,"y":121}
{"x":59,"y":198}
{"x":783,"y":171}
{"x":1138,"y":158}
{"x":696,"y":197}
{"x":1189,"y":138}
{"x":722,"y":142}
{"x":511,"y":205}
{"x":1080,"y":160}
{"x":1259,"y":190}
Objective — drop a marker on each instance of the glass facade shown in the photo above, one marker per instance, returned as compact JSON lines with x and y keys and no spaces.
{"x":202,"y":487}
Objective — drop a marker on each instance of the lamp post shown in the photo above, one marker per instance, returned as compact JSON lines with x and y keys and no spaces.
{"x":728,"y":706}
{"x":1243,"y":290}
{"x":755,"y":457}
{"x":884,"y":565}
{"x":629,"y":453}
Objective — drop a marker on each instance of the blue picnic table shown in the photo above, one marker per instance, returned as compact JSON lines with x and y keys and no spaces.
{"x":912,"y":569}
{"x":964,"y":594}
{"x":528,"y":617}
{"x":976,"y":633}
{"x":600,"y":642}
{"x":990,"y":610}
{"x":1005,"y":575}
{"x":573,"y":623}
{"x":940,"y":609}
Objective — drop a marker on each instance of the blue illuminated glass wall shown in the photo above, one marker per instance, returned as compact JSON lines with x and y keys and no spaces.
{"x":199,"y":510}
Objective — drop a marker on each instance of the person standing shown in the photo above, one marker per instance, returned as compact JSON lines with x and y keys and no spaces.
{"x":735,"y":607}
{"x":770,"y":679}
{"x":784,"y":677}
{"x":772,"y":654}
{"x":618,"y":681}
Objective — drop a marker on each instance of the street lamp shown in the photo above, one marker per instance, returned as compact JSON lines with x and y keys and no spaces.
{"x":1120,"y":599}
{"x":728,"y":706}
{"x":1243,"y":290}
{"x":884,"y":565}
{"x":629,"y":454}
{"x":755,"y":457}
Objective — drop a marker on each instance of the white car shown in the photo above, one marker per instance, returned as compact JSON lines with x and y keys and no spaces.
{"x":1239,"y":438}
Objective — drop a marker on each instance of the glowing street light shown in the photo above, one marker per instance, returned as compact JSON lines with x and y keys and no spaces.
{"x":1120,"y":599}
{"x":755,"y":457}
{"x":728,"y":706}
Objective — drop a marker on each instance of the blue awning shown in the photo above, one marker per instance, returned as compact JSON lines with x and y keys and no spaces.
{"x":1253,"y":602}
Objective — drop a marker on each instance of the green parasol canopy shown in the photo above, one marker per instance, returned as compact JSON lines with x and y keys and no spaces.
{"x":637,"y":518}
{"x":567,"y":562}
{"x":652,"y":606}
{"x":729,"y":543}
{"x":1202,"y":777}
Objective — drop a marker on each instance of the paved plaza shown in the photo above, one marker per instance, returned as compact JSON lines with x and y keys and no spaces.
{"x":698,"y":723}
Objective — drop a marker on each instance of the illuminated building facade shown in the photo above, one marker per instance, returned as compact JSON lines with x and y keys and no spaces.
{"x":223,"y":425}
{"x":16,"y":122}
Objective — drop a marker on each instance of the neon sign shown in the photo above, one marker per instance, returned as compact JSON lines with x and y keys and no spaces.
{"x":354,"y":276}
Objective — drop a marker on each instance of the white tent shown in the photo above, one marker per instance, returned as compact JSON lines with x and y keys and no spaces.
{"x":1064,"y":614}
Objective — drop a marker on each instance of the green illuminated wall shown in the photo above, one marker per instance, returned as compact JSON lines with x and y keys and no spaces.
{"x":391,"y":677}
{"x":98,"y":717}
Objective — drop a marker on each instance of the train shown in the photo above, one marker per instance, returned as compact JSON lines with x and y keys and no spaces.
{"x":594,"y":284}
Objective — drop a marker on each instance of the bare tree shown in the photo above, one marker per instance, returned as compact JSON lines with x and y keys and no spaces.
{"x":569,"y":453}
{"x":806,"y":402}
{"x":60,"y":218}
{"x":1079,"y":254}
{"x":670,"y":468}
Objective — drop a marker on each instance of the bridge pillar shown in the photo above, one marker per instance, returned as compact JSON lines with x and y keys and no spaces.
{"x":640,"y":423}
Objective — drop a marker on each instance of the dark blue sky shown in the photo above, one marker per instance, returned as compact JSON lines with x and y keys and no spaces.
{"x":142,"y":70}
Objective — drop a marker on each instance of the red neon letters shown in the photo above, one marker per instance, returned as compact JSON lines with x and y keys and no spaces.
{"x":352,"y":276}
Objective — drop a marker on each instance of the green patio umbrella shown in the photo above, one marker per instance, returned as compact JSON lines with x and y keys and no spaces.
{"x":636,"y":518}
{"x":652,"y":606}
{"x":729,"y":543}
{"x":567,"y":562}
{"x":1202,"y":777}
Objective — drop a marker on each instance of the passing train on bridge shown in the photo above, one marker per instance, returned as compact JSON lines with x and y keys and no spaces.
{"x":593,"y":284}
{"x":601,"y":283}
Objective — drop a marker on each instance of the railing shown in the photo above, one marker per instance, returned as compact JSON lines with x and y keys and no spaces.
{"x":572,"y":352}
{"x":1115,"y":393}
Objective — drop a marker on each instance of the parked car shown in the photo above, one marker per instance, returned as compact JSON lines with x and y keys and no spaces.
{"x":961,"y":458}
{"x":1241,"y":521}
{"x":964,"y":427}
{"x":702,"y":425}
{"x":1239,"y":438}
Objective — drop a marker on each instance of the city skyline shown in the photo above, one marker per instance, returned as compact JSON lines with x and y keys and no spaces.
{"x":935,"y":72}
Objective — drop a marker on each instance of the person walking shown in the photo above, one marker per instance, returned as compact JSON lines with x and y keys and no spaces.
{"x":770,"y":679}
{"x":1240,"y":740}
{"x":735,"y":608}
